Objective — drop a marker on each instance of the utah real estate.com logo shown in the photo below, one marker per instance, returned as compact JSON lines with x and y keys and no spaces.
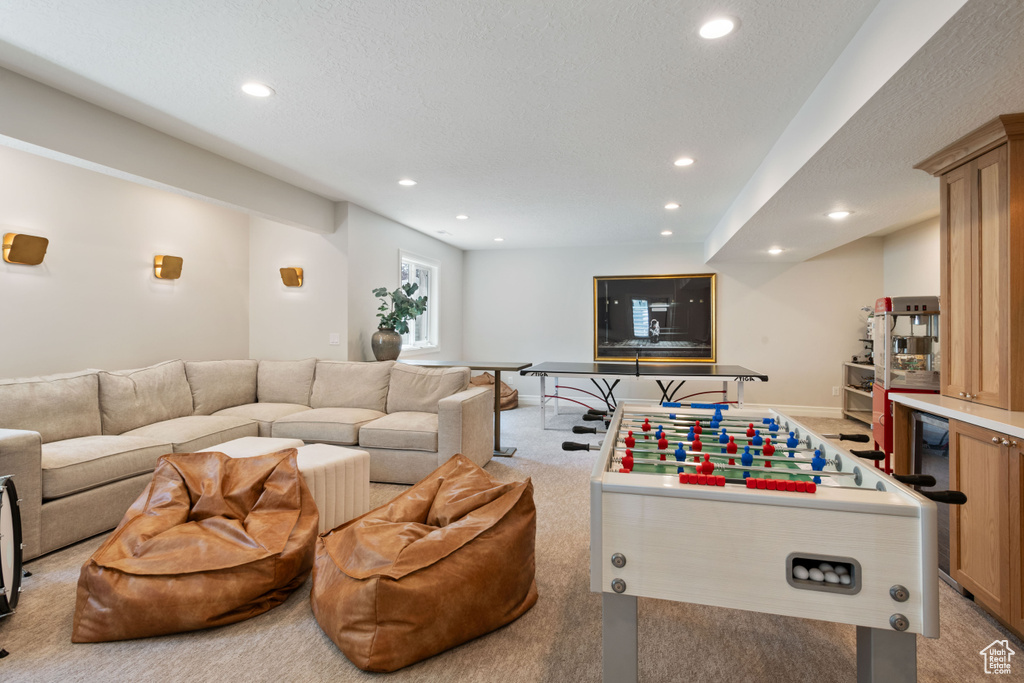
{"x":997,"y":657}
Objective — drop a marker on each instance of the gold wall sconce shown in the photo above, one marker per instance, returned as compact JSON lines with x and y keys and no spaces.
{"x":292,"y":277}
{"x":167,"y":267}
{"x":27,"y":250}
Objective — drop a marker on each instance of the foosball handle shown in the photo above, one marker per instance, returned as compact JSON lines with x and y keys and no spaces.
{"x":572,"y":446}
{"x":579,"y":429}
{"x":589,"y":417}
{"x":948,"y":497}
{"x":915,"y":479}
{"x":597,"y":412}
{"x":860,"y":438}
{"x":869,"y":455}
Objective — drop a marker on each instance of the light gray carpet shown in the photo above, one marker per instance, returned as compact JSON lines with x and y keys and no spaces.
{"x":558,"y":640}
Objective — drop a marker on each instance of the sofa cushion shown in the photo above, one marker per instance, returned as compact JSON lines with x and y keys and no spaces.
{"x":419,"y":389}
{"x":74,"y":465}
{"x":406,"y":430}
{"x":219,"y":384}
{"x":339,"y":426}
{"x":263,"y":414}
{"x":343,"y":384}
{"x":196,"y":432}
{"x":133,"y":398}
{"x":285,"y":381}
{"x":59,"y":407}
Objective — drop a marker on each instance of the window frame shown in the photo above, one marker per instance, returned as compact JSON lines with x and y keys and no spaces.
{"x":433,"y":341}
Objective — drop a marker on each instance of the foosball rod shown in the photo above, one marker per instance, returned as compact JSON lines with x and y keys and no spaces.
{"x":644,"y":446}
{"x":759,"y":423}
{"x":744,"y":468}
{"x":728,"y":456}
{"x":785,"y":449}
{"x":738,"y":436}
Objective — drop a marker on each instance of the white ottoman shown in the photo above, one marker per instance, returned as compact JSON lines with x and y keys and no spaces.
{"x":338,"y":478}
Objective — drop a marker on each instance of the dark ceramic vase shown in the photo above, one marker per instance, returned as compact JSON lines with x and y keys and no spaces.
{"x":386,"y":344}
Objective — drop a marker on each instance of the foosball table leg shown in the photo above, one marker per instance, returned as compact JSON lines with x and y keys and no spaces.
{"x":886,"y":655}
{"x":618,"y":638}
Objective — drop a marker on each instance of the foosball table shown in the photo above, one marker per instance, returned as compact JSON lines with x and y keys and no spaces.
{"x":838,"y":540}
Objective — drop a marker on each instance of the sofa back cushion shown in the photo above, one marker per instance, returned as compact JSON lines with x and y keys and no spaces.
{"x":285,"y":381}
{"x":130,"y":399}
{"x":419,"y":389}
{"x":345,"y":384}
{"x":220,"y":384}
{"x":59,"y":407}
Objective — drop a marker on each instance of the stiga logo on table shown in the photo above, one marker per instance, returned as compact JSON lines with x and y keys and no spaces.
{"x":997,"y":657}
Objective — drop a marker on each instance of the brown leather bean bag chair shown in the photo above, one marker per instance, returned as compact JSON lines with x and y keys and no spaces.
{"x":211,"y":541}
{"x":447,"y":561}
{"x":509,"y":397}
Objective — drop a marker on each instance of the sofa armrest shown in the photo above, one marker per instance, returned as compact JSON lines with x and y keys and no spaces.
{"x":21,"y":456}
{"x":465,"y":424}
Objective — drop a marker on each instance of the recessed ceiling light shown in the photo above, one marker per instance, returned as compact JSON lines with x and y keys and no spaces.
{"x":257,"y":89}
{"x":839,"y":215}
{"x":671,"y":205}
{"x":775,"y":251}
{"x":666,"y":233}
{"x":462,"y":217}
{"x":499,"y":239}
{"x":716,"y":28}
{"x":407,"y":182}
{"x":685,"y":161}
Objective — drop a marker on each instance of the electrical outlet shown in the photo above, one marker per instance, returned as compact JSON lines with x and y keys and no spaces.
{"x":334,"y":339}
{"x":835,"y":391}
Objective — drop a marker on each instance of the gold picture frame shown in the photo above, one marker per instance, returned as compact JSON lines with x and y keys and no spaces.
{"x":655,"y":318}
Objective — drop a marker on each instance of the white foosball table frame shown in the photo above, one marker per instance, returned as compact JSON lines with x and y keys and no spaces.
{"x":658,"y":530}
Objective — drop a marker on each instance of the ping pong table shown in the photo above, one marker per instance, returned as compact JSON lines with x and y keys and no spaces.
{"x":670,"y":377}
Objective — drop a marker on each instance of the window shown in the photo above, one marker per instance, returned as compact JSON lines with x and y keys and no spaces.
{"x":423,"y":329}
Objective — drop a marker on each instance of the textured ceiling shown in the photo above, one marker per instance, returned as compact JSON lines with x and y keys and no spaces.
{"x":548,"y":123}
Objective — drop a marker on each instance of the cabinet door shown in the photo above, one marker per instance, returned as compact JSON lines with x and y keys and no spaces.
{"x":955,"y":320}
{"x":990,"y":275}
{"x":1016,"y":490}
{"x":979,"y":532}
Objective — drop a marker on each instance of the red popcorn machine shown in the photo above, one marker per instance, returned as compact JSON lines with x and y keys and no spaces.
{"x":905,"y":339}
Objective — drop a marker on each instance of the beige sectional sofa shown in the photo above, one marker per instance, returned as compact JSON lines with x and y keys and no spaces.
{"x":82,"y":446}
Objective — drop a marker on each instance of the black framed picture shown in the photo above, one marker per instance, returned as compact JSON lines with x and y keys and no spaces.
{"x":668,"y":318}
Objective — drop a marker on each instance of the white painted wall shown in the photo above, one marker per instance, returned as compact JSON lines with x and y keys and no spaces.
{"x":374,"y":244}
{"x":795,"y":323}
{"x":911,"y":260}
{"x":94,"y":301}
{"x":296,"y":322}
{"x":340,"y":271}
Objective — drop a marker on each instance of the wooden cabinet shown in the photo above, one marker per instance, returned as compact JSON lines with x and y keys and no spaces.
{"x":987,"y":533}
{"x":1016,"y":492}
{"x":982,"y":263}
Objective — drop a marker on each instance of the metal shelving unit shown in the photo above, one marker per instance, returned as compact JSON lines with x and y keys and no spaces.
{"x":856,"y":398}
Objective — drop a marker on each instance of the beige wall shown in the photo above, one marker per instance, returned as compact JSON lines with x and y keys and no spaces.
{"x":94,"y":301}
{"x":911,"y":260}
{"x":340,"y":271}
{"x":796,"y":323}
{"x":374,"y":243}
{"x":296,"y":322}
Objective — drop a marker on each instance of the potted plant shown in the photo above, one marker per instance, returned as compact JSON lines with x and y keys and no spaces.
{"x":396,"y":309}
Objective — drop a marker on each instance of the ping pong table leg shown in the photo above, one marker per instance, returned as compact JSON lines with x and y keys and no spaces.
{"x":543,"y":404}
{"x":739,"y":392}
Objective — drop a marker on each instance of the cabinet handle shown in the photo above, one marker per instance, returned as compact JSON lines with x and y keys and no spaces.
{"x":1006,"y":442}
{"x":963,"y":395}
{"x":971,"y":397}
{"x":1013,"y":444}
{"x":995,"y":439}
